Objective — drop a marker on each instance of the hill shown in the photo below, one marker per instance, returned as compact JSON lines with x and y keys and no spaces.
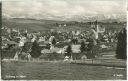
{"x":44,"y":25}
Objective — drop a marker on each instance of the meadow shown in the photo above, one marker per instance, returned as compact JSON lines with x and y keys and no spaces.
{"x":59,"y":71}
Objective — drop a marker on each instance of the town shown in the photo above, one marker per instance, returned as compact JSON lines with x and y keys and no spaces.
{"x":63,"y":43}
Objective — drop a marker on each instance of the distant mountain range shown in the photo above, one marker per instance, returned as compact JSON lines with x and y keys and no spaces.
{"x":78,"y":18}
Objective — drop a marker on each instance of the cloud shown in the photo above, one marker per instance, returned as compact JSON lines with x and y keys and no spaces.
{"x":62,"y":8}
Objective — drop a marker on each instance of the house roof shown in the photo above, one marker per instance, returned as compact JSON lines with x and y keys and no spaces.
{"x":75,"y":49}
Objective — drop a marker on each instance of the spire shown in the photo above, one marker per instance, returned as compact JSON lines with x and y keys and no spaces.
{"x":26,"y":31}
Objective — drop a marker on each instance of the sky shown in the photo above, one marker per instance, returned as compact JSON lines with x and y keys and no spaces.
{"x":62,"y":8}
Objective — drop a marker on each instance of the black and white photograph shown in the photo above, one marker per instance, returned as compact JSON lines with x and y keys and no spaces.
{"x":64,"y":40}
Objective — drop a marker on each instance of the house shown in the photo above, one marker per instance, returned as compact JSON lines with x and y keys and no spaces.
{"x":76,"y":48}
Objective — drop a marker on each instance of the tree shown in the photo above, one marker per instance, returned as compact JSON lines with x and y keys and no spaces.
{"x":121,"y":45}
{"x":74,"y":41}
{"x":54,"y":41}
{"x":90,"y":49}
{"x":90,"y":44}
{"x":36,"y":50}
{"x":82,"y":48}
{"x":26,"y":47}
{"x":68,"y":51}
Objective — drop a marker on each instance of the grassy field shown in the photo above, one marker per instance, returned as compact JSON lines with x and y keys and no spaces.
{"x":59,"y":71}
